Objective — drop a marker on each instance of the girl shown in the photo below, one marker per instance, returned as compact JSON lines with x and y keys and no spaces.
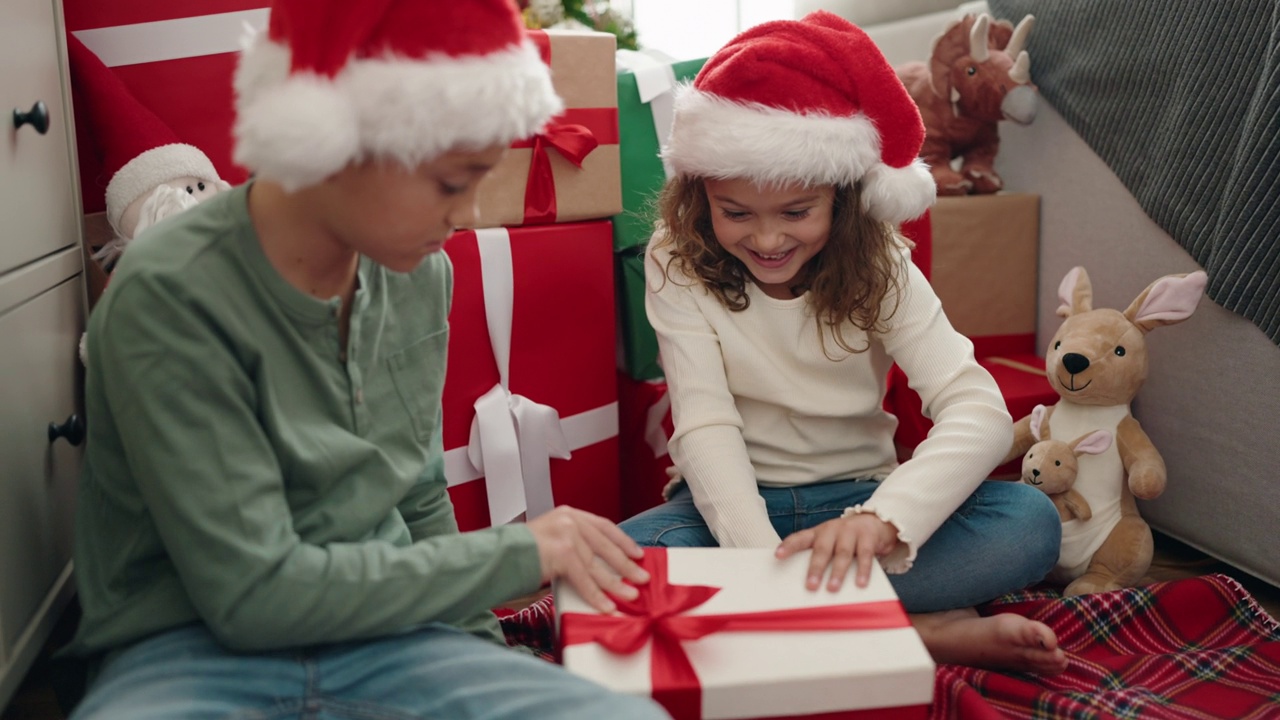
{"x":781,"y":295}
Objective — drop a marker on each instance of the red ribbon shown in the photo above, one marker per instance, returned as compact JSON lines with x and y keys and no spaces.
{"x":657,"y":616}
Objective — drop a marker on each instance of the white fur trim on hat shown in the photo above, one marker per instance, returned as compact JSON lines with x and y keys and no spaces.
{"x":152,"y":168}
{"x":717,"y":138}
{"x":299,"y":129}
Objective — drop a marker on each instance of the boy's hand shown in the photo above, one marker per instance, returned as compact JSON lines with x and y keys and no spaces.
{"x":589,"y":552}
{"x":837,"y":543}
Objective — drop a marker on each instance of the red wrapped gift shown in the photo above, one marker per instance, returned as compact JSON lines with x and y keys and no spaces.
{"x":733,"y":633}
{"x":177,"y":59}
{"x":530,"y":397}
{"x":570,"y":170}
{"x":644,"y":426}
{"x":1022,"y":381}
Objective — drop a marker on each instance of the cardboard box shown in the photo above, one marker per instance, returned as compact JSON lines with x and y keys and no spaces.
{"x":571,"y":170}
{"x":530,"y":391}
{"x":985,"y":254}
{"x":855,"y":656}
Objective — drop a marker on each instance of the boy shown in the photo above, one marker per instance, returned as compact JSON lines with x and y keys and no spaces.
{"x":263,"y":525}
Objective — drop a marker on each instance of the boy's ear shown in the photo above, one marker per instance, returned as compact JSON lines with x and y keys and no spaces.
{"x":1075,"y":293}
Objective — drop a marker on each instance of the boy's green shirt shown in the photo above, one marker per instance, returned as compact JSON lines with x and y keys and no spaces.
{"x":244,"y":471}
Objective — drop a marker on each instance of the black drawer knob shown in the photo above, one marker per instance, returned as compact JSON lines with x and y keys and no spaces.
{"x":72,"y":430}
{"x":37,"y":117}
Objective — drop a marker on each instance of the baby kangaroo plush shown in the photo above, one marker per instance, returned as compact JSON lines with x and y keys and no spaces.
{"x":1050,"y":466}
{"x":1097,"y":362}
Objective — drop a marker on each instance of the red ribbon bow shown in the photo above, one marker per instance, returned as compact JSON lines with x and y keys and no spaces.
{"x":574,"y":142}
{"x":657,"y":616}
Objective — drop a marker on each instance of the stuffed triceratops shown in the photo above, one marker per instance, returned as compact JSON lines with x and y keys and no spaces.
{"x":1097,"y":362}
{"x":978,"y":74}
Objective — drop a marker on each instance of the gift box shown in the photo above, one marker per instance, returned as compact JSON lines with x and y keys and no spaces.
{"x":646,"y":83}
{"x":178,"y":60}
{"x":644,"y":426}
{"x":570,"y":170}
{"x":530,"y":414}
{"x":985,"y":253}
{"x":637,"y":342}
{"x":733,"y":633}
{"x":1022,"y":382}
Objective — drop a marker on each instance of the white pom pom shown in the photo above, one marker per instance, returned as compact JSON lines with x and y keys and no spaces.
{"x":896,"y":195}
{"x":298,"y":133}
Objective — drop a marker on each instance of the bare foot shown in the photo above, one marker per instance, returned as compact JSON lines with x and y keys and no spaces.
{"x":999,"y":642}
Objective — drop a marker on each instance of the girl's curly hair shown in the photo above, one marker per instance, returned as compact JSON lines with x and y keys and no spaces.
{"x":848,"y":281}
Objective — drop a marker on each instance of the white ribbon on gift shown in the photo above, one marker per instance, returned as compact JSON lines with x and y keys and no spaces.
{"x":656,"y":83}
{"x":655,"y":436}
{"x":512,"y":437}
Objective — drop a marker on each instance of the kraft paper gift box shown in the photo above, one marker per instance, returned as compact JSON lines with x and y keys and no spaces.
{"x":530,"y":416}
{"x":985,"y":265}
{"x":646,"y":88}
{"x":569,"y":171}
{"x":637,"y":342}
{"x":644,"y":427}
{"x":733,"y":633}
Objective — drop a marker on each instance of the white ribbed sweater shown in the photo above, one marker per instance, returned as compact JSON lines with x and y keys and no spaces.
{"x":756,"y":401}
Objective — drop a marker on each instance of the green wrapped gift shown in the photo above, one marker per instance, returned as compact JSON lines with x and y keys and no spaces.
{"x":645,"y":87}
{"x":637,"y":343}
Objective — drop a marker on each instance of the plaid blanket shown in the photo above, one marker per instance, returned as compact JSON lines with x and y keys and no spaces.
{"x":1199,"y":649}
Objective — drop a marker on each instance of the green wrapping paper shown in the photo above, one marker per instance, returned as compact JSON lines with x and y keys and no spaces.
{"x":638,"y":345}
{"x":642,"y":171}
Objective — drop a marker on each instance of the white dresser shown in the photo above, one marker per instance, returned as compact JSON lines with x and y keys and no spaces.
{"x":42,"y":313}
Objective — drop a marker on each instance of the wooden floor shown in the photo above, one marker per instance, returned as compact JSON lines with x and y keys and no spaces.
{"x":37,"y":699}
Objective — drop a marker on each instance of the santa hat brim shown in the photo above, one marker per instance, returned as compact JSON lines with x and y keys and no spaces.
{"x":717,"y":138}
{"x":152,"y":168}
{"x":300,"y":128}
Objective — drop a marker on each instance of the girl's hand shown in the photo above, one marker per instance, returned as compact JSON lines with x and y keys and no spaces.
{"x":836,"y":543}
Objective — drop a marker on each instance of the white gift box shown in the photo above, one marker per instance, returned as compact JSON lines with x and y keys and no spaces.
{"x":858,"y":673}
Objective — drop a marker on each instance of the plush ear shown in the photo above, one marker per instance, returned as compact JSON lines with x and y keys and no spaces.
{"x":1037,"y":418}
{"x":1169,"y":300}
{"x":1095,"y":443}
{"x":1075,"y":293}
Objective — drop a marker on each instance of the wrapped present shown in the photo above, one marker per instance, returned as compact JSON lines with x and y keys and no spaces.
{"x":985,"y":253}
{"x":646,"y":85}
{"x":1022,"y":382}
{"x":733,"y":633}
{"x":530,"y":398}
{"x":637,"y":343}
{"x":570,"y":170}
{"x":644,"y":426}
{"x":177,"y":59}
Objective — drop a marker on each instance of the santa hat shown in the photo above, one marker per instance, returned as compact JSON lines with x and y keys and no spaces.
{"x":139,"y":151}
{"x":335,"y":81}
{"x":809,"y":100}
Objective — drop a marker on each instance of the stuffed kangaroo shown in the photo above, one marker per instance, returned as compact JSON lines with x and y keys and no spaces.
{"x":1050,"y":466}
{"x":1097,"y":361}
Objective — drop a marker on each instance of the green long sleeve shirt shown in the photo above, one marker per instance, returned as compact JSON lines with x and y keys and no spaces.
{"x":246,"y":471}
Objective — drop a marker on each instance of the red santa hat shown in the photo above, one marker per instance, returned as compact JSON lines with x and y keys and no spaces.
{"x":809,"y":100}
{"x":335,"y":81}
{"x":139,"y":151}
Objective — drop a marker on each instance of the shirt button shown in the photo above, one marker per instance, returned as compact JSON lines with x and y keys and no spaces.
{"x":359,"y":396}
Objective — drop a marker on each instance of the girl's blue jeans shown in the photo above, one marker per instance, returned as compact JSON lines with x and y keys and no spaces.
{"x":432,"y":673}
{"x":1004,"y":537}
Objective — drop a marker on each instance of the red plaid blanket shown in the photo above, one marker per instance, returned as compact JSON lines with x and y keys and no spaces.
{"x":1199,"y":649}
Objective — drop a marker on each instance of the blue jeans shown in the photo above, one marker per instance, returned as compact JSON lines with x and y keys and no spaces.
{"x":434,"y":672}
{"x":1004,"y":537}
